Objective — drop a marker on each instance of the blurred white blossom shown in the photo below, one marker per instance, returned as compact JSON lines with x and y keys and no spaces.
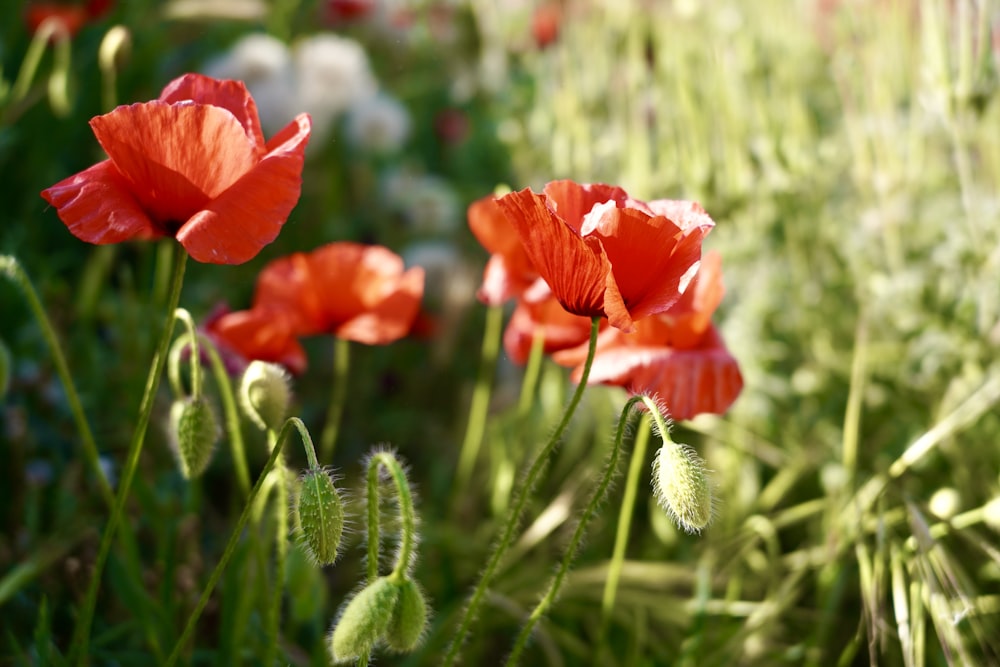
{"x":379,"y":124}
{"x":264,"y":64}
{"x":322,"y":75}
{"x":427,"y":202}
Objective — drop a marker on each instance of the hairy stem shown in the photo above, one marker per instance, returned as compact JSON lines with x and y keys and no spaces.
{"x":81,"y":635}
{"x":596,"y":499}
{"x":516,"y":509}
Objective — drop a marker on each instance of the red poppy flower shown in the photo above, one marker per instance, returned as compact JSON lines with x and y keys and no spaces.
{"x":560,"y":330}
{"x":193,"y":165}
{"x":73,"y":15}
{"x":604,"y":254}
{"x":678,"y":355}
{"x":258,"y":334}
{"x":348,"y":10}
{"x":352,"y":291}
{"x":545,"y":24}
{"x":509,"y":272}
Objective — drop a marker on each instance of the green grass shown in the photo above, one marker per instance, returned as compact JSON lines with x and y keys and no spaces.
{"x":851,"y":161}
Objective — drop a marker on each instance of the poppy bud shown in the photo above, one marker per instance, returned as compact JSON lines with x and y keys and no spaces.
{"x":4,"y":370}
{"x":194,"y":430}
{"x":409,"y":617}
{"x":681,"y":485}
{"x":319,"y":512}
{"x":265,"y":394}
{"x":364,"y":620}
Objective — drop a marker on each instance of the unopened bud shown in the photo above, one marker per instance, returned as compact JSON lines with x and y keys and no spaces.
{"x":682,"y":488}
{"x":265,"y":394}
{"x":319,"y":512}
{"x":364,"y":620}
{"x":406,"y":627}
{"x":194,"y":430}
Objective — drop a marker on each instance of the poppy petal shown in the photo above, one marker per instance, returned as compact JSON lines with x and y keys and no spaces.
{"x":392,"y":318}
{"x":289,"y":284}
{"x":575,"y":269}
{"x":572,"y":201}
{"x":230,"y":95}
{"x":237,"y":224}
{"x":177,"y":157}
{"x":261,"y":334}
{"x":689,"y":382}
{"x":98,"y":207}
{"x":509,"y":271}
{"x":649,"y":257}
{"x":559,"y":329}
{"x":688,"y":215}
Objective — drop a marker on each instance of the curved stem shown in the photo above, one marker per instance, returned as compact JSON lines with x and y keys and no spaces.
{"x":341,"y":367}
{"x":51,"y":27}
{"x":407,"y":516}
{"x":234,"y":538}
{"x":624,"y":526}
{"x":514,"y":513}
{"x":10,"y":267}
{"x":479,"y":407}
{"x":233,"y":424}
{"x":81,"y":635}
{"x":195,"y":358}
{"x":581,"y":528}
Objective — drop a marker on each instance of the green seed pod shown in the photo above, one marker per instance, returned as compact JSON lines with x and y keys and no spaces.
{"x":194,"y":430}
{"x":265,"y":394}
{"x":406,"y":627}
{"x":4,"y":370}
{"x":364,"y":620}
{"x":682,"y":488}
{"x":319,"y":513}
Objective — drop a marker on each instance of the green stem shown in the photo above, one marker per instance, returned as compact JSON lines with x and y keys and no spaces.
{"x":81,"y":635}
{"x":173,"y":358}
{"x":233,"y":424}
{"x":531,"y":373}
{"x":624,"y":526}
{"x":476,"y":426}
{"x":341,"y":367}
{"x":10,"y":267}
{"x":234,"y":538}
{"x":280,"y":474}
{"x":407,"y":517}
{"x":516,"y":509}
{"x":32,"y":59}
{"x":596,"y":499}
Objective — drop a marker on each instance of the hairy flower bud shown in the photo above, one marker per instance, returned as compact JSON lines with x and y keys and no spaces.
{"x":682,"y":488}
{"x":265,"y":394}
{"x":409,"y":618}
{"x":194,"y":430}
{"x":319,"y":512}
{"x":364,"y":620}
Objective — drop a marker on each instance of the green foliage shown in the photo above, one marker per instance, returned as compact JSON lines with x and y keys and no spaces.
{"x":849,"y":154}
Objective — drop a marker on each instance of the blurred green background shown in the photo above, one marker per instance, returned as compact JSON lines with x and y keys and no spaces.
{"x":849,"y":152}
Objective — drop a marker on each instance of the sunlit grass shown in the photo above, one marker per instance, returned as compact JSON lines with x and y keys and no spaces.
{"x":849,"y":155}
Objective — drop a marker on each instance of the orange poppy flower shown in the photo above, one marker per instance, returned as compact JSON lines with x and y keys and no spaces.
{"x":258,"y":334}
{"x":678,"y":355}
{"x":350,"y":290}
{"x":604,"y":254}
{"x":192,"y":164}
{"x":559,"y":329}
{"x":508,"y":272}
